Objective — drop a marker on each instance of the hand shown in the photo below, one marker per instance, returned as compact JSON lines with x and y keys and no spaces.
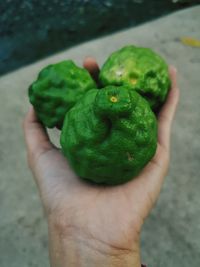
{"x":88,"y":223}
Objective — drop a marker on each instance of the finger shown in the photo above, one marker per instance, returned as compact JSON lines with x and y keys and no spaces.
{"x":36,"y":137}
{"x":173,"y":76}
{"x":91,"y":65}
{"x":167,"y":112}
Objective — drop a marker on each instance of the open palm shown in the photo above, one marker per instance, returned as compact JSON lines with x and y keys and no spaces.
{"x":109,"y":215}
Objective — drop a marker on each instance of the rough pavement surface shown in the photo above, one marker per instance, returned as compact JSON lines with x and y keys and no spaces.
{"x":171,"y":235}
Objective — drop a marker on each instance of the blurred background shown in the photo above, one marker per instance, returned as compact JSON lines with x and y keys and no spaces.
{"x":34,"y":34}
{"x":30,"y":29}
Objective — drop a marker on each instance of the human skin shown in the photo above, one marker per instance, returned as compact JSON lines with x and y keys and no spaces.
{"x":91,"y":225}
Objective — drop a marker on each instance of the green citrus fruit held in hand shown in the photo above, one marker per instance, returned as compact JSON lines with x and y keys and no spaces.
{"x":142,"y":70}
{"x":57,"y":88}
{"x":109,"y":135}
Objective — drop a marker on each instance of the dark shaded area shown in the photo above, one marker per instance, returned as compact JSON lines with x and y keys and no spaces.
{"x":31,"y":30}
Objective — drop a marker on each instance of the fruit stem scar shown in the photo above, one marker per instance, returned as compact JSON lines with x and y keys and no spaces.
{"x":113,"y":99}
{"x":119,"y":72}
{"x":130,"y":157}
{"x":133,"y":81}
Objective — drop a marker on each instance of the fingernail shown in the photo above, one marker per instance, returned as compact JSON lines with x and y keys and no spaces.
{"x":174,"y":68}
{"x":89,"y":58}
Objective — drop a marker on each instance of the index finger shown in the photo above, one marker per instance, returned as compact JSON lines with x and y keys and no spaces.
{"x":91,"y":65}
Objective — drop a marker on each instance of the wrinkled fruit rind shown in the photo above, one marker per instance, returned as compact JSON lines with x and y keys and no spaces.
{"x":110,"y":135}
{"x":57,"y":88}
{"x":142,"y":70}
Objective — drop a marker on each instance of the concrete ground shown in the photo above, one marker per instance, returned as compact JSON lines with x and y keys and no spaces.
{"x":171,"y":235}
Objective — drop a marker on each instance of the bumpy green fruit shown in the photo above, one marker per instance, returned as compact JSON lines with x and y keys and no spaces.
{"x":110,"y":135}
{"x":142,"y":70}
{"x":57,"y":88}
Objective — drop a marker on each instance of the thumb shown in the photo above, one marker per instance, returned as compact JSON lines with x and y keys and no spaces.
{"x":36,"y":137}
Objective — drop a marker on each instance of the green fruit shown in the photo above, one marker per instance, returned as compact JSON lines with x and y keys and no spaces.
{"x":56,"y":90}
{"x":110,"y":135}
{"x":142,"y":70}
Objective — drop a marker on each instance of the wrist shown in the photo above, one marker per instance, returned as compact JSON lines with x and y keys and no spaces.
{"x":80,"y":252}
{"x":74,"y":249}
